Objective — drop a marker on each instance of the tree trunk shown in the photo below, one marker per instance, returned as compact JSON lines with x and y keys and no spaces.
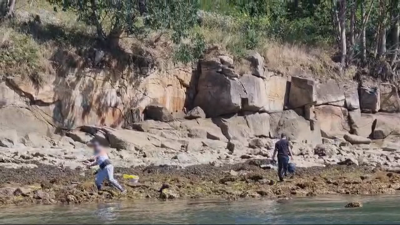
{"x":11,"y":9}
{"x":353,"y":8}
{"x":99,"y":28}
{"x":363,"y":36}
{"x":395,"y":30}
{"x":381,"y":45}
{"x":342,"y":22}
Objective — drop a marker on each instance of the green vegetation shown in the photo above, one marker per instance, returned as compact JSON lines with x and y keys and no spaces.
{"x":352,"y":32}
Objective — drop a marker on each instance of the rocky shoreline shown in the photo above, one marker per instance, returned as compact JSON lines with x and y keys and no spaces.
{"x":53,"y":185}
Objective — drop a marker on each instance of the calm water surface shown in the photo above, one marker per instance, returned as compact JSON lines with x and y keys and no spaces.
{"x":321,"y":210}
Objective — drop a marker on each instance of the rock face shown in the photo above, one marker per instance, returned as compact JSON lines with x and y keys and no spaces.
{"x":352,"y":100}
{"x":302,"y":92}
{"x":295,"y":127}
{"x":370,"y":99}
{"x":332,"y":120}
{"x":157,"y":112}
{"x":330,"y":93}
{"x":196,"y":113}
{"x":389,"y":97}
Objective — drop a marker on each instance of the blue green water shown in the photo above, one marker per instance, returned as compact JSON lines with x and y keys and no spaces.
{"x":321,"y":210}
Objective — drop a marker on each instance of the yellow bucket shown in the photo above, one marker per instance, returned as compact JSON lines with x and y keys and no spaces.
{"x":132,"y":178}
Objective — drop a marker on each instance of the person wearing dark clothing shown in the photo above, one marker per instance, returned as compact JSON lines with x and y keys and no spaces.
{"x":282,"y":147}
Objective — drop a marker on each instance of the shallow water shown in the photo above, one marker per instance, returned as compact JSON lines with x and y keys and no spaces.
{"x":320,"y":210}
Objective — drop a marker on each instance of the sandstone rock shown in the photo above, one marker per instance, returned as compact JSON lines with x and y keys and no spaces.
{"x":195,"y":113}
{"x":257,"y":63}
{"x":36,"y":141}
{"x":8,"y":97}
{"x":332,"y":120}
{"x":128,"y":139}
{"x":329,"y":92}
{"x":197,"y":132}
{"x":131,"y":116}
{"x":23,"y":121}
{"x":226,"y":60}
{"x":295,"y":127}
{"x":234,"y":128}
{"x":8,"y":138}
{"x":229,"y":72}
{"x":195,"y":127}
{"x":369,"y":99}
{"x":158,"y":112}
{"x":352,"y":99}
{"x":80,"y":136}
{"x":259,"y":124}
{"x":148,"y":125}
{"x":383,"y":126}
{"x":256,"y":143}
{"x":194,"y":145}
{"x":389,"y":96}
{"x":354,"y":139}
{"x":216,"y":94}
{"x":276,"y":88}
{"x":171,"y":144}
{"x":302,"y":92}
{"x":390,"y":146}
{"x":255,"y":92}
{"x":325,"y":150}
{"x":303,"y":149}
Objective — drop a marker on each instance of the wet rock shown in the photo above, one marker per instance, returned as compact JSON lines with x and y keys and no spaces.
{"x":158,"y":112}
{"x":230,"y":146}
{"x":195,"y":113}
{"x":168,"y":194}
{"x":353,"y":205}
{"x":39,"y":194}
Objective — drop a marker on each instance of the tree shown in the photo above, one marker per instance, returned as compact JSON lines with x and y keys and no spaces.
{"x":7,"y":8}
{"x":112,"y":18}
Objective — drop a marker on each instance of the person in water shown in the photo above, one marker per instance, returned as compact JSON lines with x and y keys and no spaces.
{"x":282,"y":147}
{"x":106,"y":168}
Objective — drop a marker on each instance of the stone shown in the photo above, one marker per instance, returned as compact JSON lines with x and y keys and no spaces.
{"x":332,"y":120}
{"x":389,"y":96}
{"x":80,"y":136}
{"x":23,"y":121}
{"x":353,"y":205}
{"x":384,"y":126}
{"x":216,"y":94}
{"x":370,"y":99}
{"x":234,"y":128}
{"x":226,"y":60}
{"x":352,"y":99}
{"x":295,"y":127}
{"x":255,"y":92}
{"x":128,"y":139}
{"x":229,"y":72}
{"x":390,"y":146}
{"x":8,"y":97}
{"x":195,"y":128}
{"x":348,"y":162}
{"x":257,"y":143}
{"x":196,"y":113}
{"x":329,"y":92}
{"x":158,"y":112}
{"x":257,"y":64}
{"x":258,"y":123}
{"x":354,"y":139}
{"x":36,"y":141}
{"x":325,"y":150}
{"x":8,"y":138}
{"x":148,"y":125}
{"x":132,"y":116}
{"x":276,"y":90}
{"x":171,"y":144}
{"x":302,"y":92}
{"x":194,"y":145}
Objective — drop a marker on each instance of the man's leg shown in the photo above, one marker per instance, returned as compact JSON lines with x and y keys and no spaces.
{"x":280,"y":168}
{"x":285,"y":164}
{"x":110,"y":175}
{"x":100,"y":176}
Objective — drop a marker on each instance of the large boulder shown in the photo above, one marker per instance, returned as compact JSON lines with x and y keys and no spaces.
{"x":332,"y":120}
{"x":203,"y":128}
{"x":360,"y":123}
{"x":276,"y":87}
{"x":330,"y":92}
{"x":370,"y":98}
{"x":195,"y":113}
{"x":389,"y":96}
{"x":385,"y":125}
{"x":234,"y":128}
{"x":158,"y":112}
{"x":129,"y":139}
{"x":257,"y":64}
{"x":295,"y":127}
{"x":258,"y":124}
{"x":352,"y":100}
{"x":302,"y":92}
{"x":216,"y":93}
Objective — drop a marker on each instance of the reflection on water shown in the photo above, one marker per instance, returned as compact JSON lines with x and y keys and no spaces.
{"x":328,"y":210}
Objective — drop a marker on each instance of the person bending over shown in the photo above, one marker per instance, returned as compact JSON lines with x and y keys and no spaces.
{"x":282,"y":147}
{"x":106,"y":170}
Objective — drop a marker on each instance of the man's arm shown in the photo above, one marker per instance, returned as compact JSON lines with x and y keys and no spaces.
{"x":290,"y":151}
{"x":275,"y":150}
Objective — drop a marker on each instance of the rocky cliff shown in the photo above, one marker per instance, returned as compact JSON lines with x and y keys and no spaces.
{"x":220,"y":111}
